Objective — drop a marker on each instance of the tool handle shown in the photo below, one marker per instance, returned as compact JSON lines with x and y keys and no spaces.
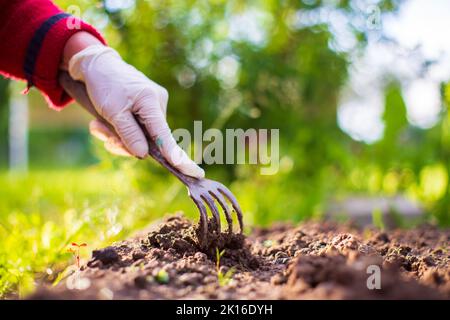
{"x":77,"y":90}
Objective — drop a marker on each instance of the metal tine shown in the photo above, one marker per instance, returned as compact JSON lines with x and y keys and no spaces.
{"x":223,"y":203}
{"x":215,"y":212}
{"x":203,"y":218}
{"x":227,"y":193}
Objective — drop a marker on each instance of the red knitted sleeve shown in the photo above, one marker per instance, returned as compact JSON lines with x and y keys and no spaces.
{"x":33,"y":34}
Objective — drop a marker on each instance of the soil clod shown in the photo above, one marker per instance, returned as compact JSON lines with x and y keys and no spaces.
{"x":106,"y":256}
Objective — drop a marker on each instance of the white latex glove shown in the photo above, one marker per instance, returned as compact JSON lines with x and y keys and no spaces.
{"x":122,"y":95}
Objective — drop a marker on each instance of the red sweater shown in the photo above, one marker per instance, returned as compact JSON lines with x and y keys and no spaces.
{"x":33,"y":34}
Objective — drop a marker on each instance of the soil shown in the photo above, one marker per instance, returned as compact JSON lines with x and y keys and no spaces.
{"x":310,"y":261}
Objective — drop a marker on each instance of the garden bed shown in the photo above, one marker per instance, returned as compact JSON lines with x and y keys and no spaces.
{"x":309,"y":261}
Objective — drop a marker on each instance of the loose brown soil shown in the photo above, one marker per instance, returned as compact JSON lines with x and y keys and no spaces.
{"x":310,"y":261}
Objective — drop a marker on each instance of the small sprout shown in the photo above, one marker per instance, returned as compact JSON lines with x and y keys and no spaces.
{"x":162,"y":277}
{"x":79,"y":245}
{"x":223,"y":278}
{"x":219,"y":255}
{"x":75,"y":250}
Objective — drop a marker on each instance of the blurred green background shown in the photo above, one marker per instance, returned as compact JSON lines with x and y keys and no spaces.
{"x":231,"y":64}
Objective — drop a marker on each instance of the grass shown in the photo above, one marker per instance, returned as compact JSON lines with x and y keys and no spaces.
{"x":42,"y":213}
{"x":223,"y":278}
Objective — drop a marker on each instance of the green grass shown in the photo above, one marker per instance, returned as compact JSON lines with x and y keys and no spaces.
{"x":45,"y":211}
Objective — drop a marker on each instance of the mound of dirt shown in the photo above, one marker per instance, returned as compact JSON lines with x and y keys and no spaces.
{"x":310,"y":261}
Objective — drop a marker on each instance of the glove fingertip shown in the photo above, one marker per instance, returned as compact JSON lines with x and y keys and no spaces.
{"x":116,"y":148}
{"x":193,"y":170}
{"x":200,"y":173}
{"x":139,"y":149}
{"x":99,"y":130}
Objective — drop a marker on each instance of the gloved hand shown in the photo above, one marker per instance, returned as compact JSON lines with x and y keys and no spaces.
{"x":123,"y":95}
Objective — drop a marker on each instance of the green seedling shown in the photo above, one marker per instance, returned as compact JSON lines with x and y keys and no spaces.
{"x":162,"y":277}
{"x":75,"y":250}
{"x":223,"y":278}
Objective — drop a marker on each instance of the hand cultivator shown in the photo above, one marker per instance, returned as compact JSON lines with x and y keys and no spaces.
{"x":202,"y":191}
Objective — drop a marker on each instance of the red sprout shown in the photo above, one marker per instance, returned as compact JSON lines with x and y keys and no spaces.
{"x":76,"y":251}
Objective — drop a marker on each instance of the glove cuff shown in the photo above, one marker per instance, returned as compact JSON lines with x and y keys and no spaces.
{"x":80,"y":63}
